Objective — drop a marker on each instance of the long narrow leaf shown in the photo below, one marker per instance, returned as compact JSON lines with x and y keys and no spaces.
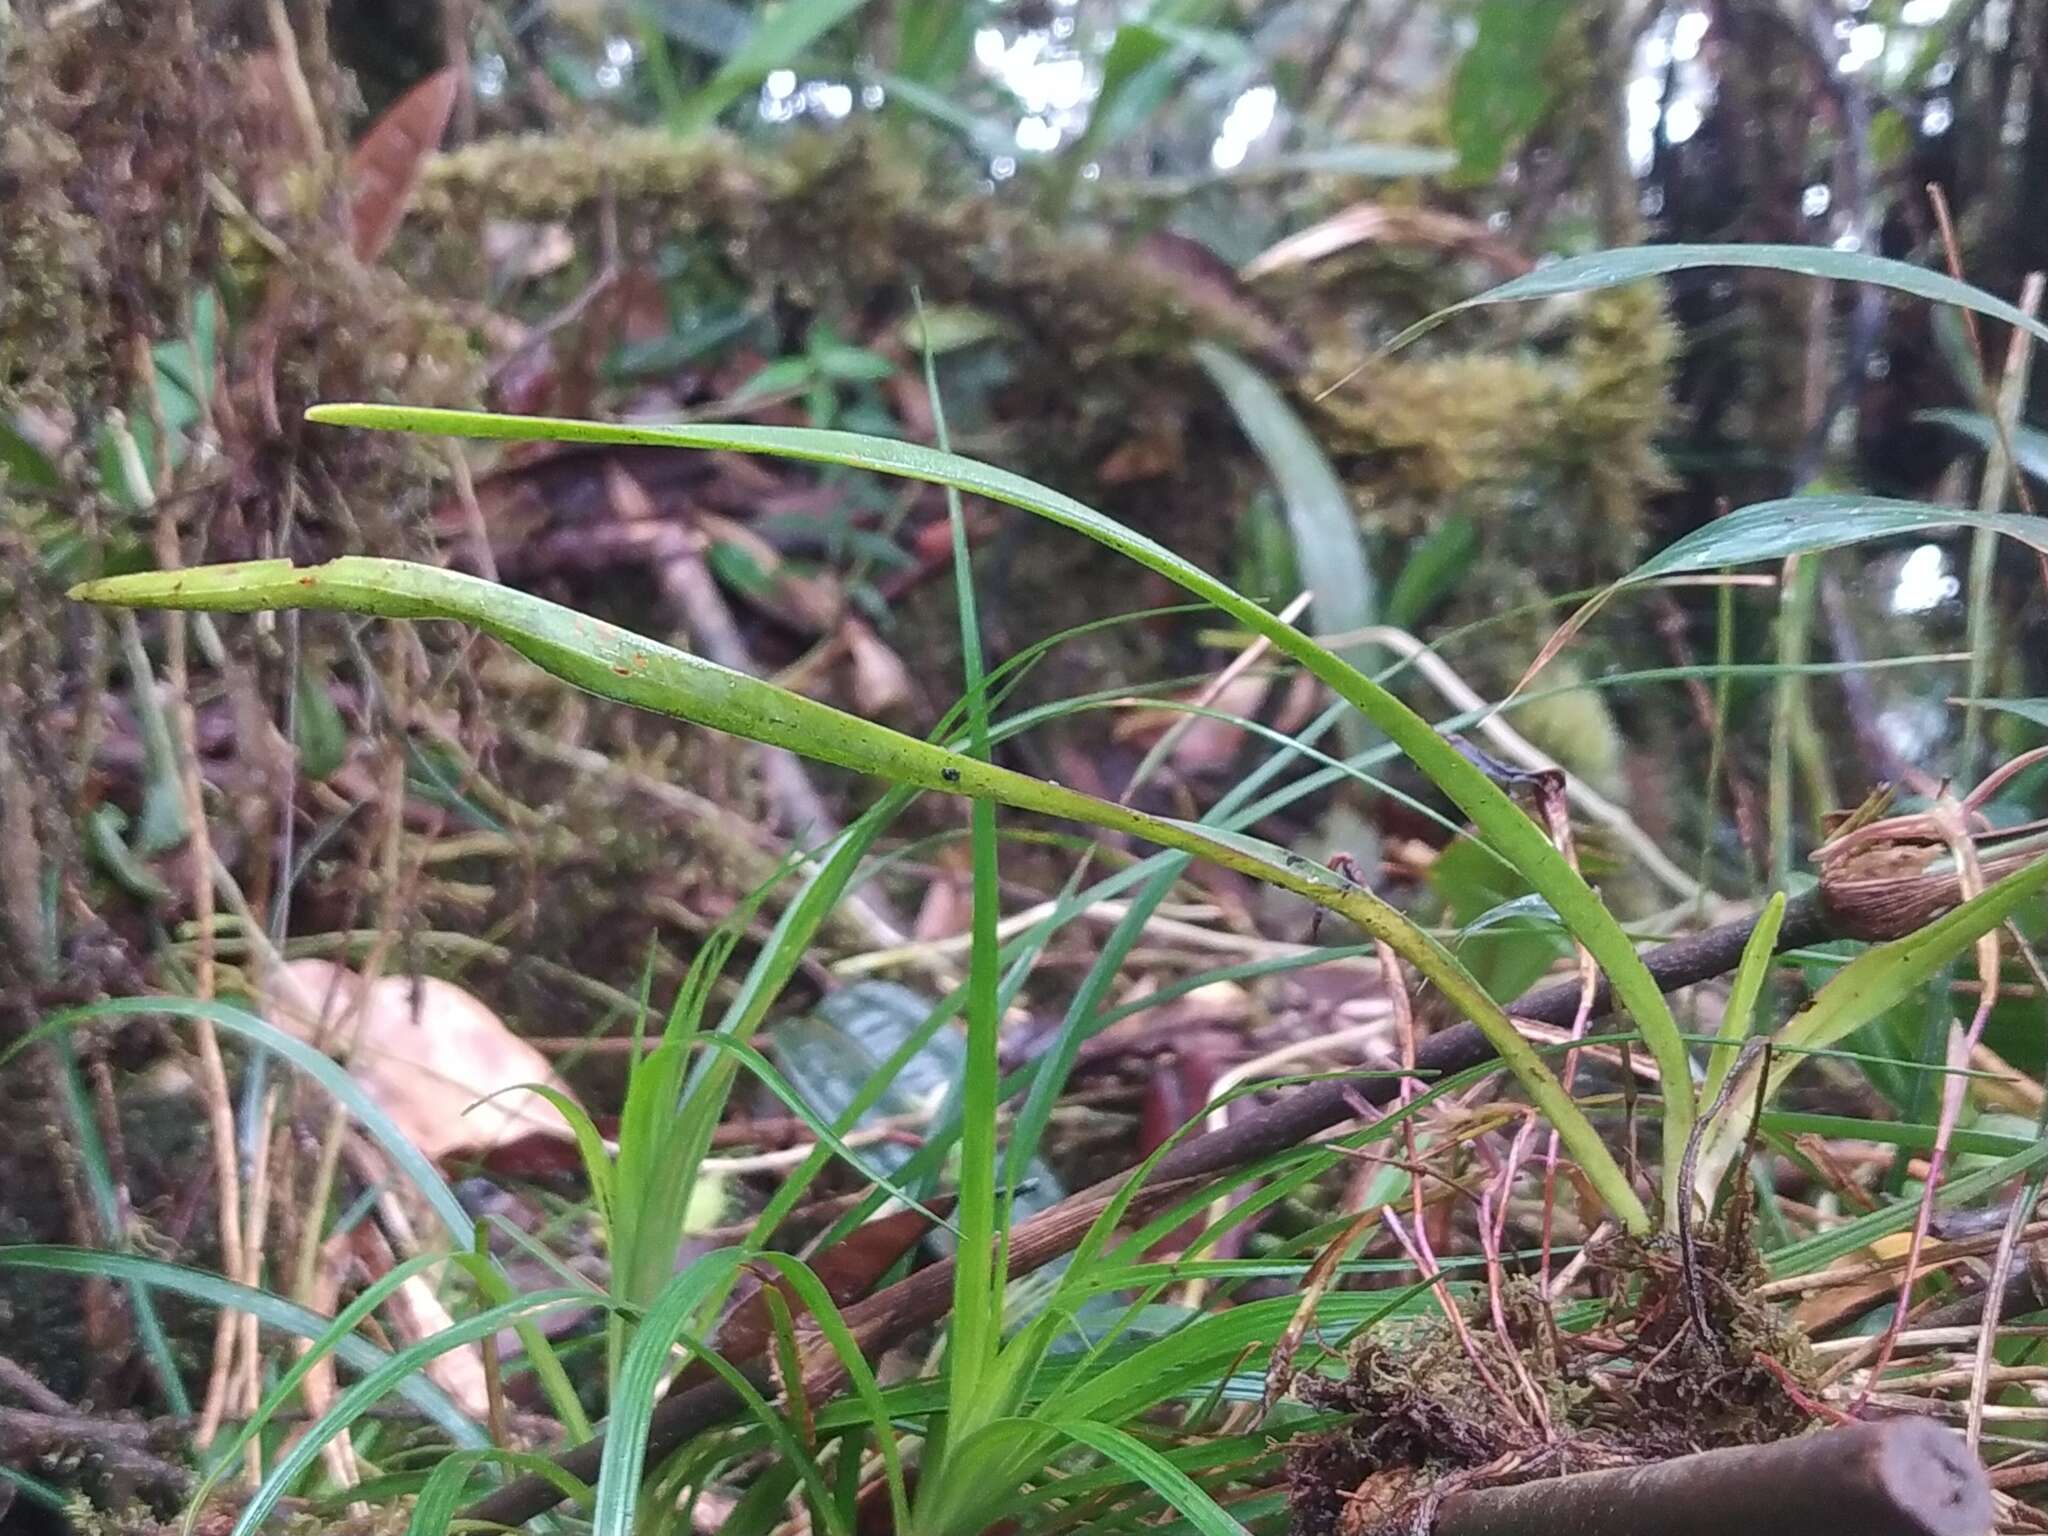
{"x":1512,"y":832}
{"x":1329,"y":548}
{"x":615,"y":663}
{"x":314,"y":1064}
{"x":270,"y":1310}
{"x":779,"y":36}
{"x":1611,"y":269}
{"x":1874,"y":982}
{"x":1802,"y":525}
{"x":385,"y":1378}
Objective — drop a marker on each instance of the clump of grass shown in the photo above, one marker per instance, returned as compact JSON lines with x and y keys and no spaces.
{"x":1080,"y":1397}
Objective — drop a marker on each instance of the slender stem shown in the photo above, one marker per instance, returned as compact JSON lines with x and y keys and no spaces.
{"x":2012,"y":399}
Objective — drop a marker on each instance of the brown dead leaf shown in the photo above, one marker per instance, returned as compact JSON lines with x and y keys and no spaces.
{"x":415,"y":1314}
{"x":1211,"y":290}
{"x":384,"y":169}
{"x":1206,"y":744}
{"x":426,"y":1051}
{"x":1380,"y":224}
{"x":1175,"y":1093}
{"x":1156,"y":453}
{"x":1837,"y":1305}
{"x":948,"y":902}
{"x":881,"y":681}
{"x":321,"y":1386}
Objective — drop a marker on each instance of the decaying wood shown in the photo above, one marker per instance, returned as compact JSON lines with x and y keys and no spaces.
{"x":1902,"y":1477}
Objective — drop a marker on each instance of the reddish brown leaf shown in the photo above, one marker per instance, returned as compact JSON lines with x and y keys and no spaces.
{"x":848,"y":1270}
{"x":1154,"y":453}
{"x":1213,"y":294}
{"x":384,"y":170}
{"x":881,"y":679}
{"x":1172,"y":1098}
{"x":433,"y":1057}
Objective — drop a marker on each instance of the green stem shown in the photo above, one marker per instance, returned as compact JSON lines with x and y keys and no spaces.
{"x":1512,"y":833}
{"x":617,"y":664}
{"x":2012,"y":399}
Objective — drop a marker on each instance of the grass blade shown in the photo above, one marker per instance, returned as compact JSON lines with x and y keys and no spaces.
{"x":1329,"y":548}
{"x":616,"y":664}
{"x":1800,"y":525}
{"x":270,"y":1310}
{"x":1512,"y":832}
{"x":1611,"y":269}
{"x":777,"y":38}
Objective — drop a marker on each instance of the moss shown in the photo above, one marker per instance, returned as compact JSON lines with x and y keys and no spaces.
{"x":1423,"y":1402}
{"x":839,"y":221}
{"x":1551,"y":455}
{"x":1535,"y":443}
{"x":50,"y":253}
{"x":114,"y":120}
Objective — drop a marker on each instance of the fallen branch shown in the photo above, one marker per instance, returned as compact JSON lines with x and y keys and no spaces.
{"x":1901,"y":1477}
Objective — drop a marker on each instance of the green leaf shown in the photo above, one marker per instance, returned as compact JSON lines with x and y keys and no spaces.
{"x":974,"y":1387}
{"x":329,"y":1074}
{"x":1613,"y":268}
{"x":23,"y":463}
{"x":1758,"y":956}
{"x":779,"y":37}
{"x":844,"y":364}
{"x":1975,"y":1141}
{"x":616,"y":664}
{"x":1482,"y":898}
{"x":1823,"y":1248}
{"x":2029,"y":444}
{"x":666,"y":353}
{"x":1501,"y":89}
{"x":1882,"y":976}
{"x":833,"y":1054}
{"x":1152,"y":1469}
{"x":1138,"y":76}
{"x":2035,"y":710}
{"x":935,"y":38}
{"x":387,"y":1377}
{"x":648,"y":1359}
{"x":1867,"y":987}
{"x":989,"y":136}
{"x":737,"y":567}
{"x":774,"y":378}
{"x":1802,"y":525}
{"x":272,"y":1311}
{"x":434,"y":1509}
{"x":322,"y":735}
{"x":228,"y":1454}
{"x":105,"y":835}
{"x":1436,"y":563}
{"x":1329,"y":549}
{"x":1952,"y":342}
{"x":951,"y":327}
